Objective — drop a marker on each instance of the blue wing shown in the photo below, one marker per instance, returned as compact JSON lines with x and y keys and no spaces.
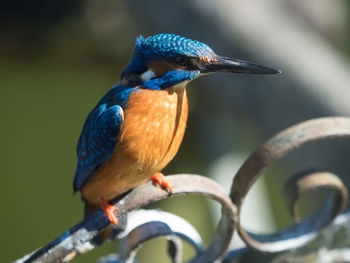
{"x":97,"y":141}
{"x":99,"y":135}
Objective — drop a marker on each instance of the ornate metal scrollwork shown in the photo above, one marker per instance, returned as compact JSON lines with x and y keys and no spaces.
{"x":134,"y":232}
{"x":274,"y":149}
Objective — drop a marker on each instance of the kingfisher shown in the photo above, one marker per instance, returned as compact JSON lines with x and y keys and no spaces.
{"x":136,"y":129}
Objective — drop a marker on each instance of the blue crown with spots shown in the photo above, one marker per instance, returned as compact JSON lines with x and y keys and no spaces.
{"x":164,"y":46}
{"x":170,"y":45}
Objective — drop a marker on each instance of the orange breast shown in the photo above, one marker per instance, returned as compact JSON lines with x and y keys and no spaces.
{"x":150,"y":136}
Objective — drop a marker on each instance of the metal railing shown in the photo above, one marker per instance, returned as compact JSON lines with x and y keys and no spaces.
{"x":138,"y":226}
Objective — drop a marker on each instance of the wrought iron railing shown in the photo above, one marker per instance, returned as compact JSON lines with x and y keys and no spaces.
{"x":138,"y":226}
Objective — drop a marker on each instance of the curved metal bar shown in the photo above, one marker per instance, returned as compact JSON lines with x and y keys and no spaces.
{"x":130,"y":245}
{"x":189,"y":184}
{"x":78,"y":238}
{"x":297,"y":235}
{"x":274,"y":149}
{"x":175,"y":249}
{"x":178,"y":225}
{"x":327,"y":239}
{"x":304,"y":183}
{"x":144,"y":225}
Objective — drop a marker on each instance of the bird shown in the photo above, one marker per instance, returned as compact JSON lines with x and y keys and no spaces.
{"x":137,"y":127}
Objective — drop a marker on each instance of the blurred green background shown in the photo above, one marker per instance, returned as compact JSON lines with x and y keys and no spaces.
{"x":59,"y":58}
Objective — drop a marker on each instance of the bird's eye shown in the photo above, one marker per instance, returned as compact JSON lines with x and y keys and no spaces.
{"x":183,"y":61}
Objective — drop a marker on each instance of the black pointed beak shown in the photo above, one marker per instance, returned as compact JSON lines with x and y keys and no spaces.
{"x":224,"y":64}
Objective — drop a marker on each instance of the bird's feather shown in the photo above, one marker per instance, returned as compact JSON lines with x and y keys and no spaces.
{"x":99,"y":135}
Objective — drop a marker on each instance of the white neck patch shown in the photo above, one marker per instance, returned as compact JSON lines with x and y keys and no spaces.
{"x":147,"y":75}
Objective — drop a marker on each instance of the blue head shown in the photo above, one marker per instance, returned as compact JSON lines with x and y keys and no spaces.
{"x":166,"y":60}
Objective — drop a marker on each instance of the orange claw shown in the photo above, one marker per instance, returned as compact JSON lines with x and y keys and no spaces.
{"x":160,"y":179}
{"x":109,"y":210}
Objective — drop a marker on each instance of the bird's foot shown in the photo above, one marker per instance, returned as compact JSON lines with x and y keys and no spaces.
{"x":160,"y":179}
{"x":109,"y":210}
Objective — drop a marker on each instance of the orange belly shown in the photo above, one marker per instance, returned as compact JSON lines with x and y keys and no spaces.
{"x":150,"y":136}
